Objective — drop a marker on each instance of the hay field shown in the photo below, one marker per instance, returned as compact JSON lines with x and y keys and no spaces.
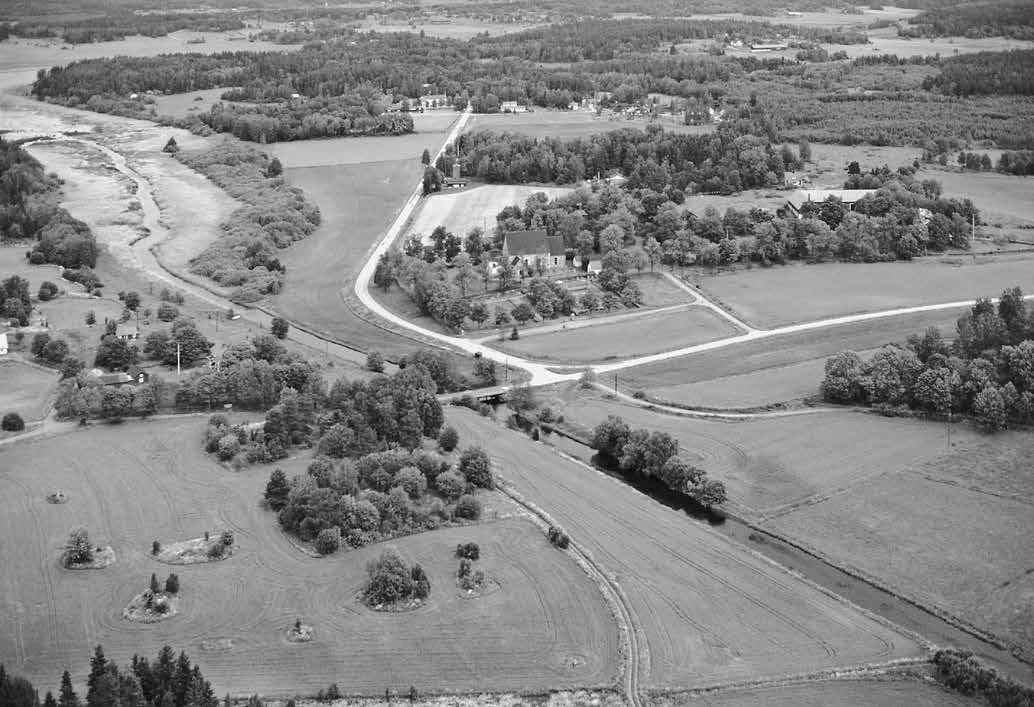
{"x":951,"y":531}
{"x":1002,"y":199}
{"x":828,"y":168}
{"x":772,"y":465}
{"x":181,"y":105}
{"x":637,"y":336}
{"x":14,"y":262}
{"x":450,"y":28}
{"x":789,"y":294}
{"x":25,"y":389}
{"x":463,"y":210}
{"x":763,"y":363}
{"x":357,"y":203}
{"x":711,"y":612}
{"x":547,"y":627}
{"x":829,"y":693}
{"x":570,"y":124}
{"x":430,"y":132}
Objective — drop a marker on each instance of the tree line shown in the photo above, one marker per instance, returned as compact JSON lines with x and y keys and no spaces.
{"x":29,"y":210}
{"x":115,"y":26}
{"x":167,"y":681}
{"x":655,"y":455}
{"x":1003,"y":18}
{"x":986,"y":73}
{"x":986,"y":372}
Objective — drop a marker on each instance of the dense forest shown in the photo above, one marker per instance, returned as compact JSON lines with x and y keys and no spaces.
{"x":29,"y":210}
{"x":117,"y":26}
{"x":167,"y":681}
{"x":986,"y":73}
{"x":1000,"y":18}
{"x":987,"y":372}
{"x":724,"y":162}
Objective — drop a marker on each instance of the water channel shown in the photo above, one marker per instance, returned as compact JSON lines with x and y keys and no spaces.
{"x":856,"y":590}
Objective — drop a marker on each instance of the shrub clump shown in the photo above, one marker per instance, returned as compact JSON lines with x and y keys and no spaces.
{"x":392,"y":583}
{"x":328,"y":541}
{"x":960,"y":671}
{"x":558,"y":537}
{"x":12,"y":422}
{"x":470,"y":551}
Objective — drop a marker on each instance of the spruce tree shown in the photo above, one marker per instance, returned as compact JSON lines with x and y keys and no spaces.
{"x":67,"y":696}
{"x":98,"y":663}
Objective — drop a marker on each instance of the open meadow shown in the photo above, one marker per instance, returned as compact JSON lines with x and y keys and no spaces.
{"x":25,"y":389}
{"x":635,"y":336}
{"x":444,"y":26}
{"x":460,"y":211}
{"x":772,"y":465}
{"x":790,"y":294}
{"x":773,"y":369}
{"x":570,"y":124}
{"x":430,"y":130}
{"x":546,"y":627}
{"x":952,"y":531}
{"x":1004,"y":200}
{"x":711,"y":611}
{"x":912,"y":691}
{"x":357,"y":202}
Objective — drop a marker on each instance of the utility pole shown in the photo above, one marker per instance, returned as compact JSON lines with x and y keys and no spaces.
{"x":615,"y":384}
{"x":178,"y":370}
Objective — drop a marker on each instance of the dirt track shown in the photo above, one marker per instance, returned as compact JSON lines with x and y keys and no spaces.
{"x":711,"y":612}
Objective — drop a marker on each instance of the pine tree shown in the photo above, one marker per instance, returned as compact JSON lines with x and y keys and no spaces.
{"x":98,"y":663}
{"x":49,"y":700}
{"x":67,"y":696}
{"x":155,"y":587}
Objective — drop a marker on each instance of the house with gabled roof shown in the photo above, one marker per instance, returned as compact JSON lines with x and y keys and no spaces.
{"x":534,"y":248}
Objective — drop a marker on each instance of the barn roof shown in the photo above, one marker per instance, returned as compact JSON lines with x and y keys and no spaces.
{"x":526,"y":242}
{"x":848,"y":196}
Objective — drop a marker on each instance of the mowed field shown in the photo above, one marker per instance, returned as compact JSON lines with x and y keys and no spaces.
{"x":25,"y":389}
{"x":1002,"y":199}
{"x":461,"y":211}
{"x":430,"y":130}
{"x":952,"y":531}
{"x":790,"y":294}
{"x":547,"y":626}
{"x":711,"y":611}
{"x":829,"y":693}
{"x":772,"y":465}
{"x":357,"y":203}
{"x":634,"y":336}
{"x":570,"y":124}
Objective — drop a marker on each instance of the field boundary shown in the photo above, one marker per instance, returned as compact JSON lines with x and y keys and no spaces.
{"x":629,"y":657}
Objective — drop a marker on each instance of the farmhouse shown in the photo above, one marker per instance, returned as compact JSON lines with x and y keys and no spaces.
{"x":127,"y":332}
{"x":138,"y":375}
{"x":534,"y":248}
{"x":850,"y":197}
{"x":767,"y":46}
{"x":512,"y":107}
{"x":434,"y":100}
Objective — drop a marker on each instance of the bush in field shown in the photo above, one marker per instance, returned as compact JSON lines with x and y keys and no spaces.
{"x":476,"y":467}
{"x":960,"y":671}
{"x":470,"y":551}
{"x":279,"y":327}
{"x":167,"y":312}
{"x":448,"y":439}
{"x":12,"y":422}
{"x":47,"y":291}
{"x":558,"y":537}
{"x":226,"y":539}
{"x":421,"y":584}
{"x":78,"y":549}
{"x":156,"y":547}
{"x":277,"y":490}
{"x":172,"y":584}
{"x":468,"y":508}
{"x":390,"y":580}
{"x":328,"y":541}
{"x":464,"y":569}
{"x":450,"y":484}
{"x":375,"y":362}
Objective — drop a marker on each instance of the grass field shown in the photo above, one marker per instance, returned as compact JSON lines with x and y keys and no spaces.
{"x":14,"y":262}
{"x":1003,"y":200}
{"x":447,"y":28}
{"x":772,"y":465}
{"x":639,"y":336}
{"x":429,"y":134}
{"x":829,"y":693}
{"x":569,"y":124}
{"x":463,"y":210}
{"x":24,"y":389}
{"x":781,"y":295}
{"x":952,"y":531}
{"x":828,"y":168}
{"x":763,"y":363}
{"x":711,"y":611}
{"x":547,"y":627}
{"x":357,"y":203}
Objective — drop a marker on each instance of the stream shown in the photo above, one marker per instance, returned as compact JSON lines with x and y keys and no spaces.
{"x":856,"y":590}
